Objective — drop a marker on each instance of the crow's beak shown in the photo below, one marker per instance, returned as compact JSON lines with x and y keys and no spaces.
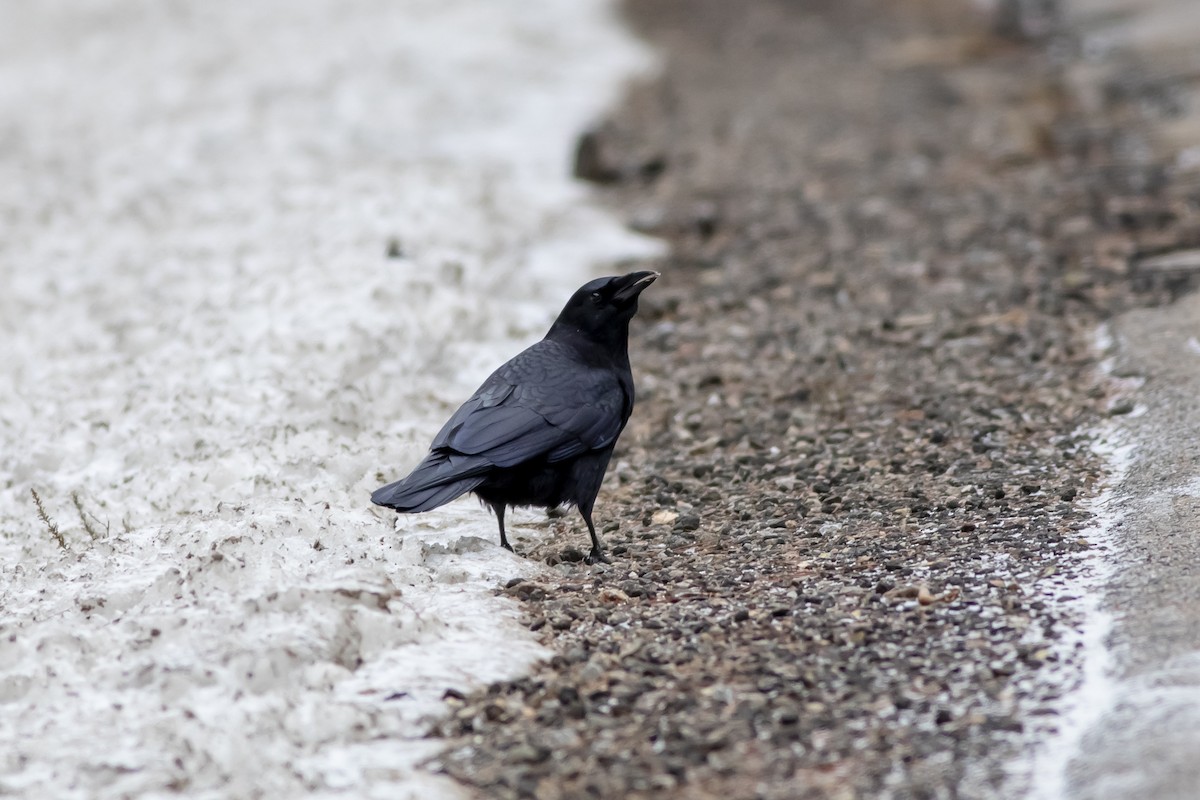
{"x":633,"y":284}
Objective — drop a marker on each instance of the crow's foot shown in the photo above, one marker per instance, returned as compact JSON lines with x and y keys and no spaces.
{"x":597,"y":557}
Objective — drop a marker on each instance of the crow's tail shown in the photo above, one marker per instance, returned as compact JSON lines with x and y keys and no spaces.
{"x":437,"y":480}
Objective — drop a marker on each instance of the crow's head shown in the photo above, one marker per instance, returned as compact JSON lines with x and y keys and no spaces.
{"x":601,"y":309}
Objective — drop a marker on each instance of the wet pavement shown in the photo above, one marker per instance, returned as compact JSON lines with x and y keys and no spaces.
{"x":1145,"y":741}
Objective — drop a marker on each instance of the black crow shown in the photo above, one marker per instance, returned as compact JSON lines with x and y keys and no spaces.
{"x":541,"y":428}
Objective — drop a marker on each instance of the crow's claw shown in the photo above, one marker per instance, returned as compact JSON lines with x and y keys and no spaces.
{"x":597,"y":557}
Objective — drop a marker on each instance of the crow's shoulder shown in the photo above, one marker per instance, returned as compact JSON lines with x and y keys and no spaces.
{"x":545,"y":402}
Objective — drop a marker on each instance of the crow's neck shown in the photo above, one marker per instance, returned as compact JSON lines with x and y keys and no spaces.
{"x":609,"y":347}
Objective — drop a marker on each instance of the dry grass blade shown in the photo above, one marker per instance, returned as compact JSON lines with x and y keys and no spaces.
{"x":49,"y":523}
{"x":84,"y":515}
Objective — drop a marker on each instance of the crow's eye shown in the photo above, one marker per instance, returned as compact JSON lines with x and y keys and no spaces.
{"x":596,"y":298}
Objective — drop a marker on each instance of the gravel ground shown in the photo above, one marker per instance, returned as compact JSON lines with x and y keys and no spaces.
{"x":852,"y":488}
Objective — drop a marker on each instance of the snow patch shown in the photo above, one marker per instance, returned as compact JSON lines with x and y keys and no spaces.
{"x":253,"y":255}
{"x":1087,"y":644}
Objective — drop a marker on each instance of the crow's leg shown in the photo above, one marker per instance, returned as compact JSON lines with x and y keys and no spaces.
{"x":597,"y":554}
{"x":499,"y":509}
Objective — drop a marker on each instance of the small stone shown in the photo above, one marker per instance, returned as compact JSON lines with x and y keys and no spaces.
{"x":572,"y":555}
{"x":591,"y":159}
{"x":1120,"y":407}
{"x":663,"y":517}
{"x":528,"y":753}
{"x":611,"y":594}
{"x":787,"y":716}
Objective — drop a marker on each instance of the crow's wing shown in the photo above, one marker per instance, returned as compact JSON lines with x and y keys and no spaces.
{"x":542,"y":403}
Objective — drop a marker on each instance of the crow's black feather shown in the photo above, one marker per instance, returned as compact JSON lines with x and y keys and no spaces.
{"x":541,"y":429}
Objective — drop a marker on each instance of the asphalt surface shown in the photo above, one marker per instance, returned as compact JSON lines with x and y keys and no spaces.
{"x":1145,"y":742}
{"x":855,"y":497}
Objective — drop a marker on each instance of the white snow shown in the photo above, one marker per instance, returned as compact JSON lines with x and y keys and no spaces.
{"x":205,"y":345}
{"x":1087,"y":645}
{"x":1096,"y":690}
